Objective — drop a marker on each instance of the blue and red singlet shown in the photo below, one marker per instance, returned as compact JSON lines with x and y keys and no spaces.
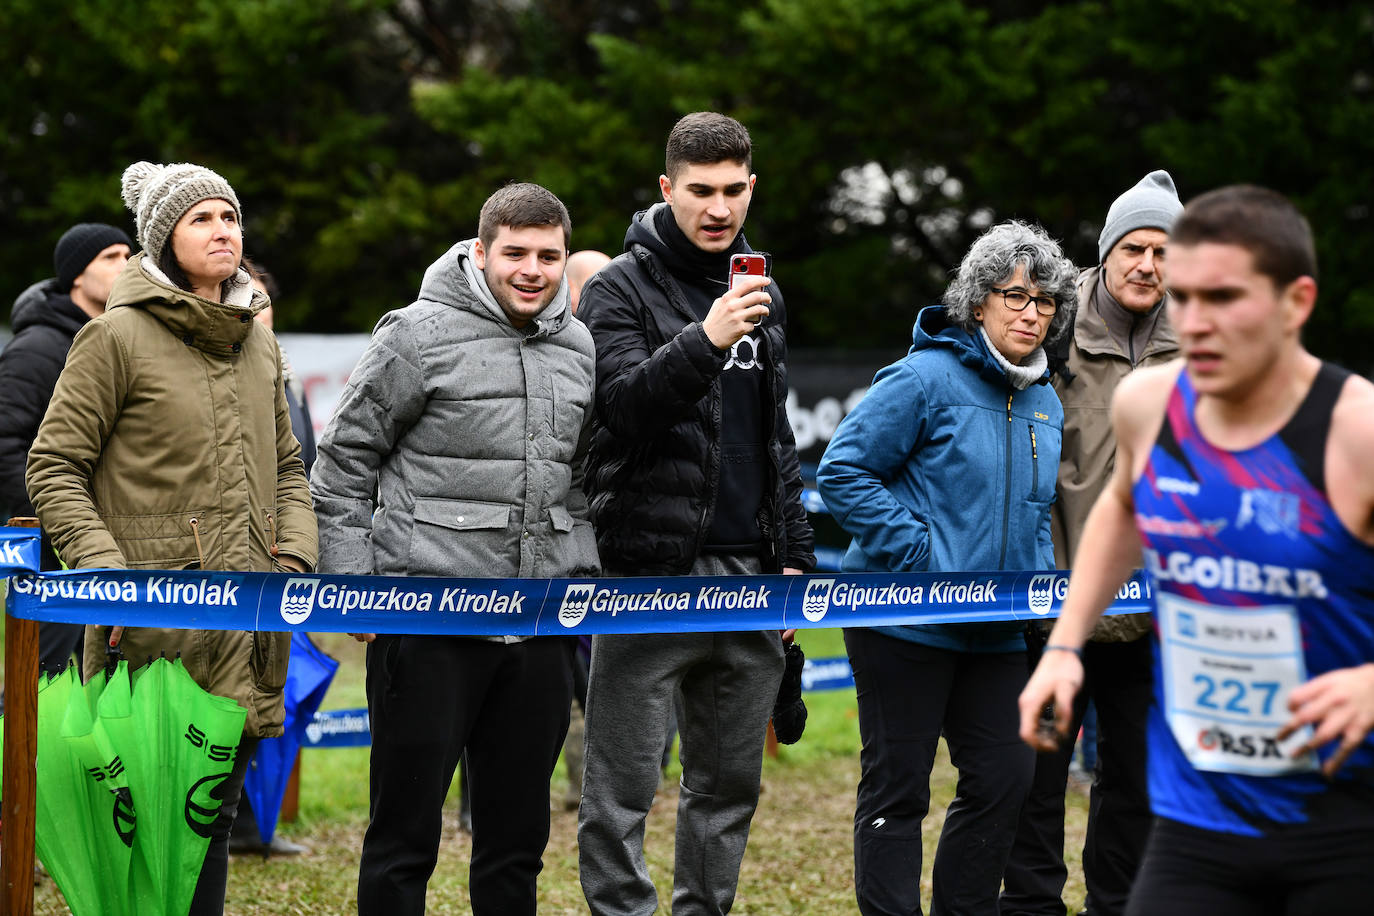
{"x":1259,"y":587}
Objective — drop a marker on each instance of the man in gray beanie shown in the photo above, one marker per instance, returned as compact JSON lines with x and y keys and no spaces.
{"x":45,"y":318}
{"x":1120,"y":325}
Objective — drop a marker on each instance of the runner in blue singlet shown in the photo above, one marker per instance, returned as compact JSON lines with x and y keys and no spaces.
{"x":1245,"y":471}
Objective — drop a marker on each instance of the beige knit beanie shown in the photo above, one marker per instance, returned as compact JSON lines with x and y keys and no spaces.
{"x":159,"y":195}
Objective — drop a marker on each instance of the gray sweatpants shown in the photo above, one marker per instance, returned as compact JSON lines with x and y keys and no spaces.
{"x":729,"y":682}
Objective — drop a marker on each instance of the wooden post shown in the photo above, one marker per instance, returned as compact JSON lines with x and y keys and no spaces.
{"x":21,"y":747}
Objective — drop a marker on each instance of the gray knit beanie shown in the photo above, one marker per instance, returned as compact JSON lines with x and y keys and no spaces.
{"x":159,"y":195}
{"x":1151,"y":204}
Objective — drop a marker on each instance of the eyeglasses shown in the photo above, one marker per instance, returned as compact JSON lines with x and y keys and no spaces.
{"x":1017,"y":299}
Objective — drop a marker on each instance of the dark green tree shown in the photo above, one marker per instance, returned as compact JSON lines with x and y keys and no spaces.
{"x":364,"y":134}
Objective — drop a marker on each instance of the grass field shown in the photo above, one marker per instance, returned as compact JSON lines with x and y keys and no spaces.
{"x":800,"y":850}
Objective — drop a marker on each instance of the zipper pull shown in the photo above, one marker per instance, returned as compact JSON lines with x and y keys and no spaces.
{"x":1009,"y":408}
{"x":195,"y":530}
{"x":1032,"y":432}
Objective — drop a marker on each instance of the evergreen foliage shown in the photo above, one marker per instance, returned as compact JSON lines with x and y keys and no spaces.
{"x":363,"y":135}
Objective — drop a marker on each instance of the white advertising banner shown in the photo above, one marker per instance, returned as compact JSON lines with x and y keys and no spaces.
{"x":323,"y":363}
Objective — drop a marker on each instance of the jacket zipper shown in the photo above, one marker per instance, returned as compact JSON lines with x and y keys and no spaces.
{"x":1006,"y":503}
{"x":1035,"y":464}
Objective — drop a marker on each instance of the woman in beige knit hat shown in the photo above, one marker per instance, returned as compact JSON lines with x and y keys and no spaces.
{"x":168,"y":445}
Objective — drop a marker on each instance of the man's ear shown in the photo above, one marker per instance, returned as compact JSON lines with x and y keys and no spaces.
{"x":1298,"y":298}
{"x":479,"y":255}
{"x":665,"y":185}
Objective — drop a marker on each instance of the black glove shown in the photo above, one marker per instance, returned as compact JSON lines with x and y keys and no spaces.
{"x":789,"y":712}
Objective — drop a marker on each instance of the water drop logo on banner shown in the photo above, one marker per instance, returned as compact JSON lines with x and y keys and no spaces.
{"x":298,"y":600}
{"x":576,"y":600}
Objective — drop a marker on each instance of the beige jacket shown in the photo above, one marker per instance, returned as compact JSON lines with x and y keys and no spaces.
{"x":1088,"y":456}
{"x":168,"y":445}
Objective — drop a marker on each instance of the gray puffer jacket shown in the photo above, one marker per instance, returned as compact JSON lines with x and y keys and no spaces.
{"x":465,"y":436}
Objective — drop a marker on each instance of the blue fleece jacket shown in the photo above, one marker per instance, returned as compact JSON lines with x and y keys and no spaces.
{"x":945,"y":467}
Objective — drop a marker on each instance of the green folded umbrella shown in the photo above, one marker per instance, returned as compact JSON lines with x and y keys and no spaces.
{"x":186,"y":743}
{"x":76,"y":830}
{"x":92,"y":739}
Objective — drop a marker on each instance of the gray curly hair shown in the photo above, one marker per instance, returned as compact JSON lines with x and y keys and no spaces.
{"x":994,"y":257}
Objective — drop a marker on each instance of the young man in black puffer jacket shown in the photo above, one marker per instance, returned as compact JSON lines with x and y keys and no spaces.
{"x":692,"y":470}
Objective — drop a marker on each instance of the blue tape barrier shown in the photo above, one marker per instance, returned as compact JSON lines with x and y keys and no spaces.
{"x":19,"y":550}
{"x":203,"y":599}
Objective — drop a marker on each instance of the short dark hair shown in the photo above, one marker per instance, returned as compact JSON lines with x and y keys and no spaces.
{"x":705,"y":138}
{"x":520,"y":205}
{"x":1263,"y":222}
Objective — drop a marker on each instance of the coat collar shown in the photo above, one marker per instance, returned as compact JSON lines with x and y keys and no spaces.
{"x":1090,"y":329}
{"x":216,"y":328}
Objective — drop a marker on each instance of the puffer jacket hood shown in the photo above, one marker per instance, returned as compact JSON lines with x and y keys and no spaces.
{"x":43,"y":304}
{"x":443,"y":284}
{"x":934,"y":330}
{"x":642,"y":231}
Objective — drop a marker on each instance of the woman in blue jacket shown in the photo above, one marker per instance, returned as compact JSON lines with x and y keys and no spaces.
{"x":948,"y":464}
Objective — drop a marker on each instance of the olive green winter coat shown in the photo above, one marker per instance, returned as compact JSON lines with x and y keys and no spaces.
{"x":168,"y":445}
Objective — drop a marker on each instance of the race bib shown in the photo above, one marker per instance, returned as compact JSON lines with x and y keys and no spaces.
{"x":1227,"y":675}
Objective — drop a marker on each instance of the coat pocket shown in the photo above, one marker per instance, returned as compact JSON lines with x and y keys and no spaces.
{"x":165,"y":541}
{"x":572,"y":548}
{"x":461,"y":514}
{"x":459,"y":537}
{"x":271,"y":653}
{"x":560,"y":518}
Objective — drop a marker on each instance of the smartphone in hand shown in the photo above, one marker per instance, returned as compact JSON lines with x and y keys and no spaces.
{"x":747,"y":265}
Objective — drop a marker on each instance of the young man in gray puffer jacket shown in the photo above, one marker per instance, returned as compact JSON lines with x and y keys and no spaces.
{"x":456,"y":451}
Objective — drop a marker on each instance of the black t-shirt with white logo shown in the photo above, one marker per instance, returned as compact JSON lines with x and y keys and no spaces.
{"x":743,"y":460}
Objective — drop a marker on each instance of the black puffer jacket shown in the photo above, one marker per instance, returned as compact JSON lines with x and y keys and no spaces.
{"x":653,"y":470}
{"x":44,"y":322}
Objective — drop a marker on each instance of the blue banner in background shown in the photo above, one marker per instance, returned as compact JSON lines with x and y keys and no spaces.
{"x":338,"y":728}
{"x":827,"y":674}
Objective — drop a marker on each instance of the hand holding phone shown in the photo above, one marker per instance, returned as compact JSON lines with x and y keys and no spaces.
{"x":744,"y":305}
{"x":748,"y":265}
